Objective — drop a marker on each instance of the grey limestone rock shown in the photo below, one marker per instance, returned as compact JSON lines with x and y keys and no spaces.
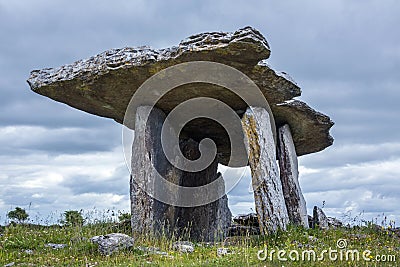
{"x":56,"y":246}
{"x":294,"y":199}
{"x":267,"y":187}
{"x":223,"y":252}
{"x":250,"y":219}
{"x":183,"y":246}
{"x":113,"y":242}
{"x":242,"y":230}
{"x":319,"y":218}
{"x":334,"y":223}
{"x":203,"y":223}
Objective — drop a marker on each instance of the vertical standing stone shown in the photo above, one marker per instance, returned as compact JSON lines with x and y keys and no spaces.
{"x":208,"y":222}
{"x":319,"y":219}
{"x":294,"y":199}
{"x":203,"y":223}
{"x":148,"y":214}
{"x":268,"y":194}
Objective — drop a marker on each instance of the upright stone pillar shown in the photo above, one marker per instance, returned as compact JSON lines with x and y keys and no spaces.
{"x":208,"y":222}
{"x":268,"y":195}
{"x":148,"y":214}
{"x":294,"y":199}
{"x":203,"y":223}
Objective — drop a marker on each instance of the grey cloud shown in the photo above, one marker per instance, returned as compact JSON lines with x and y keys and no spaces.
{"x":17,"y":140}
{"x":342,"y":155}
{"x":117,"y":183}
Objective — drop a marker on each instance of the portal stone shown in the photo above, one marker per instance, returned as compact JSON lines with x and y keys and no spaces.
{"x":268,"y":194}
{"x":294,"y":199}
{"x":204,"y":223}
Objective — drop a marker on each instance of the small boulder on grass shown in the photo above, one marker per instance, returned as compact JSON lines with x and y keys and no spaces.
{"x":55,"y":246}
{"x":183,"y":246}
{"x":111,"y":243}
{"x":223,"y":251}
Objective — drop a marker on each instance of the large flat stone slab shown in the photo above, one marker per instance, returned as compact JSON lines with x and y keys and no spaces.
{"x":104,"y":84}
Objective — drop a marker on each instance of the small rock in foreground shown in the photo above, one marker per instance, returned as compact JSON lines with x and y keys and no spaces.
{"x":55,"y":246}
{"x":223,"y":251}
{"x":28,"y":251}
{"x":183,"y":246}
{"x":111,"y":243}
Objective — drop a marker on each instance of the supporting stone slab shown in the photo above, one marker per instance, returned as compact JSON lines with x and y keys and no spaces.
{"x":207,"y":222}
{"x":203,"y":223}
{"x":294,"y":199}
{"x":268,"y":194}
{"x":148,"y":214}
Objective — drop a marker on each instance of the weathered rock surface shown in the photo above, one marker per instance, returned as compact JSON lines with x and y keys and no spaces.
{"x":104,"y":84}
{"x":242,"y":230}
{"x":183,"y":246}
{"x":319,"y":218}
{"x":309,"y":128}
{"x":223,"y":252}
{"x":55,"y":246}
{"x":149,"y":214}
{"x":111,"y":243}
{"x":334,"y":223}
{"x":268,"y":195}
{"x":294,"y":199}
{"x":250,"y":219}
{"x":244,"y":225}
{"x":203,"y":223}
{"x":207,"y":222}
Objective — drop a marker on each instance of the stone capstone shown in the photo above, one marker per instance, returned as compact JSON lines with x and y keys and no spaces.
{"x":104,"y":84}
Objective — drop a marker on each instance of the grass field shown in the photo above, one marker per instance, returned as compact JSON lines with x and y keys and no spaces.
{"x":24,"y":245}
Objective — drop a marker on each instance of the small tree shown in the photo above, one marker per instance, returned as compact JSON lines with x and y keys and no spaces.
{"x":18,"y":214}
{"x":73,"y":218}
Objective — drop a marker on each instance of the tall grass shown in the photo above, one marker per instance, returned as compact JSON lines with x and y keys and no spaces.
{"x":24,"y":244}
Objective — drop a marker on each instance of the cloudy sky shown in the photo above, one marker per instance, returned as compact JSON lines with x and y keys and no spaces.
{"x":345,"y":54}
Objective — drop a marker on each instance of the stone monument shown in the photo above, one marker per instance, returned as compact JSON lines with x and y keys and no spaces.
{"x":273,"y":128}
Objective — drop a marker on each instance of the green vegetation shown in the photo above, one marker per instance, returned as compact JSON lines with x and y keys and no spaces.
{"x":124,"y":217}
{"x":73,"y":218}
{"x":18,"y":214}
{"x":24,"y":244}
